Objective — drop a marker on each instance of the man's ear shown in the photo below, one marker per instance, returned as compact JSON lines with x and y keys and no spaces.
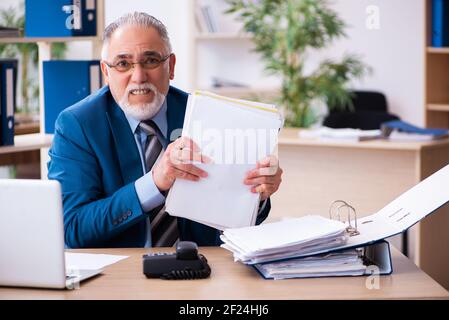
{"x":105,"y":71}
{"x":172,"y":66}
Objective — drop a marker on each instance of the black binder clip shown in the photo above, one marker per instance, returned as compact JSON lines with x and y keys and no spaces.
{"x":336,"y":209}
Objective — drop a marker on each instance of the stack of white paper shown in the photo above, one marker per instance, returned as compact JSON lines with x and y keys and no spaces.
{"x":340,"y":134}
{"x":235,"y":134}
{"x":345,"y":263}
{"x":284,"y":239}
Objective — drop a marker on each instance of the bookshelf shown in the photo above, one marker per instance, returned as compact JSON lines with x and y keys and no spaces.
{"x":33,"y":142}
{"x":47,"y":40}
{"x":27,"y":142}
{"x":436,"y":78}
{"x":226,"y":53}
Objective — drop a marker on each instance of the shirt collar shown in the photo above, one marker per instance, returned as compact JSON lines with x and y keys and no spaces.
{"x":160,"y":119}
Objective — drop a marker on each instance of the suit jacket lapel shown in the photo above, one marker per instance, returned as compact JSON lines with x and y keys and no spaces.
{"x":127,"y":152}
{"x":176,"y":109}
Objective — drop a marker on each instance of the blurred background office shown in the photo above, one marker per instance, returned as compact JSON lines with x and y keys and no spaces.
{"x":397,"y":67}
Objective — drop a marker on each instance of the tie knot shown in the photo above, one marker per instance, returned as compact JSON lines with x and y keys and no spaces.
{"x":149,"y":127}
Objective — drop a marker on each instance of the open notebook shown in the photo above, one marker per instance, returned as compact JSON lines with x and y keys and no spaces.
{"x":235,"y":134}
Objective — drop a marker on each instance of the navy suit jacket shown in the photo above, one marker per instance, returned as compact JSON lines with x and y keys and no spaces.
{"x":95,"y":158}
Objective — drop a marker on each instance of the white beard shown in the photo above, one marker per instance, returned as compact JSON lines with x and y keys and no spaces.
{"x":142,"y":111}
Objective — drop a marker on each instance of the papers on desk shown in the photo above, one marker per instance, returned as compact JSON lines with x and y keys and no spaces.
{"x":345,"y":263}
{"x":90,"y":261}
{"x":284,"y":239}
{"x":341,"y":134}
{"x":313,"y":235}
{"x":235,"y":134}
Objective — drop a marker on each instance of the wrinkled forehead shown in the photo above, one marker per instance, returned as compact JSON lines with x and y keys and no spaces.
{"x":135,"y":41}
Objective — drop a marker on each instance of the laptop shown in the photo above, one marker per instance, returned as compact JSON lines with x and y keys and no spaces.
{"x":32,"y":236}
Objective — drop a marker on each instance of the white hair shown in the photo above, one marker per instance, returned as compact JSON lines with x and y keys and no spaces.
{"x":137,"y":19}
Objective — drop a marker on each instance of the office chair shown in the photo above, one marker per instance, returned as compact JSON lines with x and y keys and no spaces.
{"x":370,"y":111}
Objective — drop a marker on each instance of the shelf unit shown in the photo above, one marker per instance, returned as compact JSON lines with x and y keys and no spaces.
{"x":220,"y":54}
{"x":28,"y":142}
{"x":436,"y":78}
{"x":40,"y":141}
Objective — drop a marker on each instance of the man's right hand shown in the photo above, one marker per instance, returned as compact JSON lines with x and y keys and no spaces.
{"x":176,"y":163}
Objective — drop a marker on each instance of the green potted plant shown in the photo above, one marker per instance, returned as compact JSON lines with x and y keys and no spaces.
{"x":283,"y":32}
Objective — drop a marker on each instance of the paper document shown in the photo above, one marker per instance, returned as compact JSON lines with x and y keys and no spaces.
{"x":235,"y":134}
{"x":284,"y":239}
{"x":345,"y":263}
{"x":340,"y":134}
{"x":89,"y":261}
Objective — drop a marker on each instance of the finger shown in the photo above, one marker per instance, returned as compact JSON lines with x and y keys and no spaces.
{"x":270,"y":161}
{"x":185,"y":175}
{"x":191,"y":169}
{"x":187,"y":154}
{"x":261,"y":180}
{"x":264,"y":190}
{"x":266,"y":171}
{"x":186,"y":142}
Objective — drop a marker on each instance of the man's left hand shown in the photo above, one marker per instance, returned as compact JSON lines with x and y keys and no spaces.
{"x":265,"y":178}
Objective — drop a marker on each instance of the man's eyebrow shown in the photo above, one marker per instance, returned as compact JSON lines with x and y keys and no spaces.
{"x":123,"y":56}
{"x":151,"y":53}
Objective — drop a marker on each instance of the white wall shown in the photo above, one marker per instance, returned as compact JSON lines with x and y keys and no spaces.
{"x":395,"y":51}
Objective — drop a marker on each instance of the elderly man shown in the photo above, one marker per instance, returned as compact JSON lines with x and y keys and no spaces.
{"x":113,"y":155}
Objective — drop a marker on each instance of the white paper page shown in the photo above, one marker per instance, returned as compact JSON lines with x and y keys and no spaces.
{"x":221,"y":227}
{"x":89,"y":261}
{"x":235,"y":138}
{"x":283,"y":233}
{"x":236,"y":101}
{"x":233,"y":198}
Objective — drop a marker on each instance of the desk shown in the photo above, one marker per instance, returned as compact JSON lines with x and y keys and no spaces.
{"x":230,"y":280}
{"x":368,"y":175}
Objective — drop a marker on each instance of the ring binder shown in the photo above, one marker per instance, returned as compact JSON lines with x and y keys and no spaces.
{"x":350,"y":229}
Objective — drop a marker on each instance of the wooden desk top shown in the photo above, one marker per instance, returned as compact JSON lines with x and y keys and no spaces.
{"x":230,"y":280}
{"x":289,"y":136}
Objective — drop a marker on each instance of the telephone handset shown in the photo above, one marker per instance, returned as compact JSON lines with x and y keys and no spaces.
{"x":186,"y":263}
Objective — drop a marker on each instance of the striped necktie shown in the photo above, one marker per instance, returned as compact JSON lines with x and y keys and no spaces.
{"x":164,"y":229}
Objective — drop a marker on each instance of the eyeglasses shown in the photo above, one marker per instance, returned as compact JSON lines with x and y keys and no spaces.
{"x":148,"y":63}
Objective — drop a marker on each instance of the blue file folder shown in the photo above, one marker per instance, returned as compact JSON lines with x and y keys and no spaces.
{"x":65,"y":83}
{"x":440,"y":23}
{"x":8,"y":76}
{"x":60,"y":18}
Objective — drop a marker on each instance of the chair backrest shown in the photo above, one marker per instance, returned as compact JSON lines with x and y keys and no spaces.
{"x":370,"y":110}
{"x":365,"y":101}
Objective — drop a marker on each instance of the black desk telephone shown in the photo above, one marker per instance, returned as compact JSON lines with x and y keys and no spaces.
{"x":186,"y":263}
